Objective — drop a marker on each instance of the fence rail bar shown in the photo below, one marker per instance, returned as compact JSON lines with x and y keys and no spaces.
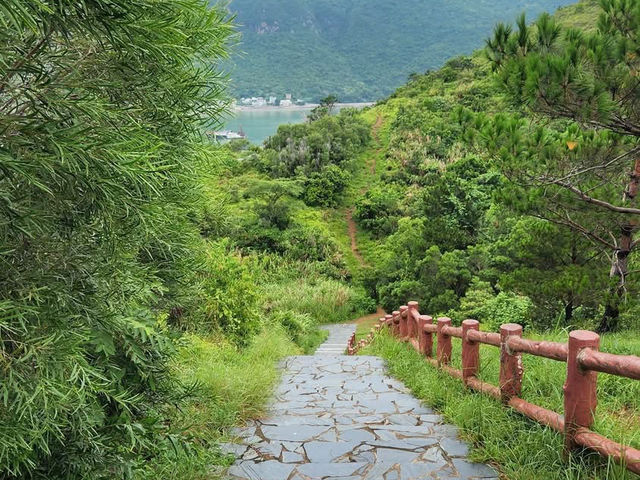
{"x":488,"y":338}
{"x":628,"y":456}
{"x":430,"y":328}
{"x":454,"y":372}
{"x":483,"y":387}
{"x":621,"y":365}
{"x":552,"y":350}
{"x":452,"y":331}
{"x":539,"y":414}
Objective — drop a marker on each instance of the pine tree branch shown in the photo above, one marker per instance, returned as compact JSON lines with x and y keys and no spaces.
{"x":603,"y":166}
{"x":595,"y":201}
{"x":568,"y":222}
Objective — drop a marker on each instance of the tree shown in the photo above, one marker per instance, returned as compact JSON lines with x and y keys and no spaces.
{"x":101,"y":108}
{"x":580,"y":154}
{"x":325,"y":108}
{"x":325,"y":188}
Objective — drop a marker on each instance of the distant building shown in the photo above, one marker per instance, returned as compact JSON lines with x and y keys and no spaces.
{"x":258,"y":102}
{"x":272,"y":100}
{"x":286,"y":103}
{"x":287,"y":96}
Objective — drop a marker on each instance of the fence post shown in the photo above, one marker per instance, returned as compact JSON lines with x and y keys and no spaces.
{"x":398,"y":325}
{"x":443,"y":349}
{"x":470,"y":351}
{"x":510,"y":363}
{"x":580,"y":398}
{"x":392,"y":327}
{"x":413,"y":331}
{"x":426,"y":338}
{"x":405,"y":331}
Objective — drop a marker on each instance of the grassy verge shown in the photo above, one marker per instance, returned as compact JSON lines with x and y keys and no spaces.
{"x":226,"y":386}
{"x":522,"y":449}
{"x":364,"y":327}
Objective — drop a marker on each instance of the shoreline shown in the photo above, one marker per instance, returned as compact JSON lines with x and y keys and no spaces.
{"x":298,"y":108}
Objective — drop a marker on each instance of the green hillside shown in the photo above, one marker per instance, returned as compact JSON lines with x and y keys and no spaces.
{"x":357,"y":49}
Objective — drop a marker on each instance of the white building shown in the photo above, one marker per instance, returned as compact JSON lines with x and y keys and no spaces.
{"x":258,"y":102}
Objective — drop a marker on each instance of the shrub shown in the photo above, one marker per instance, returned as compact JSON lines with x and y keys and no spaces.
{"x":228,"y":296}
{"x":325,"y":188}
{"x":378,"y":211}
{"x":482,"y":304}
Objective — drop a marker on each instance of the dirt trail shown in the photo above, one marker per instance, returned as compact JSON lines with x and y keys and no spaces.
{"x":376,"y":137}
{"x":371,"y":164}
{"x":353,"y":230}
{"x":371,"y":317}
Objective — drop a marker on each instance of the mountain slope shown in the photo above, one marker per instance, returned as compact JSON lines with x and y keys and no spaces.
{"x":357,"y":49}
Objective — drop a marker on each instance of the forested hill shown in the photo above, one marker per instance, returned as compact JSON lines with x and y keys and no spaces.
{"x":357,"y":49}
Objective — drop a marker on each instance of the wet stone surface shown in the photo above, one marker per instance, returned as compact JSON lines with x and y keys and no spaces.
{"x":337,"y":417}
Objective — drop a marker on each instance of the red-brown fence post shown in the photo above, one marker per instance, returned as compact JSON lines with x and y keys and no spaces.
{"x":426,"y":338}
{"x":580,"y":397}
{"x":443,"y":348}
{"x":397,"y":319}
{"x":404,"y":321}
{"x":413,"y":331}
{"x":470,"y":351}
{"x":389,"y":320}
{"x":510,"y":363}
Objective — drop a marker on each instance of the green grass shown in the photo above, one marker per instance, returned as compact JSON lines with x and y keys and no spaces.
{"x":363,"y":328}
{"x":337,"y":224}
{"x":231,"y":385}
{"x":520,"y":448}
{"x":325,"y":300}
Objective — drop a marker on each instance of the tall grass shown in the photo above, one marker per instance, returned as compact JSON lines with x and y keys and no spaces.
{"x":229,"y":385}
{"x":520,"y":448}
{"x":325,"y":300}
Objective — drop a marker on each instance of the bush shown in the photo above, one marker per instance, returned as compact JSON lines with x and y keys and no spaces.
{"x":378,"y":211}
{"x":482,"y":304}
{"x":325,"y":188}
{"x":228,"y":296}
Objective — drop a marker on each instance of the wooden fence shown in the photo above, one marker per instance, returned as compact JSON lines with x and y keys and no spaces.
{"x":581,"y":354}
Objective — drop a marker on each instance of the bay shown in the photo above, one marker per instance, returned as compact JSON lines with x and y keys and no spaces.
{"x":259,"y":124}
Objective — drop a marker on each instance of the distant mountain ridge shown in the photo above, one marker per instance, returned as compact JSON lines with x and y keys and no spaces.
{"x":359,"y":50}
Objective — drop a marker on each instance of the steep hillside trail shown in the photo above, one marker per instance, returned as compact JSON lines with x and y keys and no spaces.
{"x":375,"y":131}
{"x":371,"y":166}
{"x":353,"y":232}
{"x":338,"y":417}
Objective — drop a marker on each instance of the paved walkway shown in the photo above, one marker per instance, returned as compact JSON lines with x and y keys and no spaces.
{"x":342,"y":418}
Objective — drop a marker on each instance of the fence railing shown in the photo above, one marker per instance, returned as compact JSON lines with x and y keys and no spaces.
{"x":581,"y":354}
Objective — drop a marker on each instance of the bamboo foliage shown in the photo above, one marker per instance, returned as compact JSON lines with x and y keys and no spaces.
{"x":101,"y":107}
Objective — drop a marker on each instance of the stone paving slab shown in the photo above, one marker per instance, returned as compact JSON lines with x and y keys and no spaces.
{"x":336,"y":417}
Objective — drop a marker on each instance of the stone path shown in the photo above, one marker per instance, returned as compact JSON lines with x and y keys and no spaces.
{"x":342,"y":418}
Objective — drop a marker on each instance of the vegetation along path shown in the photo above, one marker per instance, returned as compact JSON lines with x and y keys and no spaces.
{"x":341,"y":417}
